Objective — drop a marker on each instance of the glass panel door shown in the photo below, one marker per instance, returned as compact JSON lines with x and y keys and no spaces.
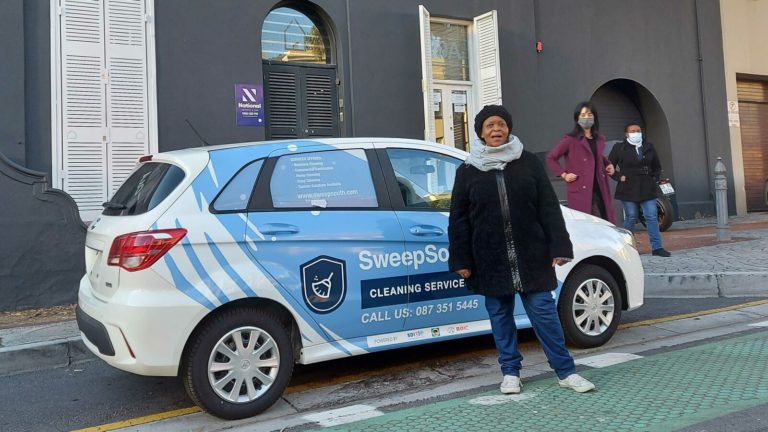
{"x":450,"y":103}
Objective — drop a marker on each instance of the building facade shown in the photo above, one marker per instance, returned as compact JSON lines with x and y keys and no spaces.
{"x":746,"y":81}
{"x":90,"y":85}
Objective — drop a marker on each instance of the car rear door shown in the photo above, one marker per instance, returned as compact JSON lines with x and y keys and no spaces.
{"x":321,"y":224}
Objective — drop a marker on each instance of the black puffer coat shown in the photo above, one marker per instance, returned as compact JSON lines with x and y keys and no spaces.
{"x":479,"y":227}
{"x":640,"y":173}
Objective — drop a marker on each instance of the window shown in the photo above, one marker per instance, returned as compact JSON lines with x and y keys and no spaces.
{"x":237,"y":192}
{"x":147,"y":187}
{"x":450,"y":51}
{"x":291,"y":36}
{"x":329,"y":179}
{"x":425,"y":178}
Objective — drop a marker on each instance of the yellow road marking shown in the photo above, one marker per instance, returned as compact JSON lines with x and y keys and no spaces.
{"x":141,"y":420}
{"x":392,"y":369}
{"x":692,"y":314}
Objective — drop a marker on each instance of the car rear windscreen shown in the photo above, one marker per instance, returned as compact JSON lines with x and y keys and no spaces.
{"x":144,"y":189}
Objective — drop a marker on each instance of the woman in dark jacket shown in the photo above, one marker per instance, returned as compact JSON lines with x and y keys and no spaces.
{"x":586,"y":170}
{"x":637,"y":171}
{"x":506,"y":233}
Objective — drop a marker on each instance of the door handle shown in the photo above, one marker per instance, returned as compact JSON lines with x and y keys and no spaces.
{"x":426,"y":230}
{"x":278,"y":228}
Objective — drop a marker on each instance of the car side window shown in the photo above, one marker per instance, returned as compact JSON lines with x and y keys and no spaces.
{"x":325,"y":179}
{"x":425,"y":178}
{"x":237,"y":192}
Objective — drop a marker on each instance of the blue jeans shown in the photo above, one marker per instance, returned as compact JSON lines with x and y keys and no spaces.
{"x":542,"y":311}
{"x":651,"y":219}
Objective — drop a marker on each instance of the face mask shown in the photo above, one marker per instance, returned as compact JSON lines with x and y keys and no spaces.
{"x":586,"y":122}
{"x":635,"y":138}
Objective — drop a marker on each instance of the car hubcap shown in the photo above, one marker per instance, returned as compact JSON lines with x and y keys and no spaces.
{"x":243,"y":364}
{"x":593,"y":307}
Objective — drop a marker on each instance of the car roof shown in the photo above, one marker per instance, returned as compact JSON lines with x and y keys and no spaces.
{"x":268,"y":146}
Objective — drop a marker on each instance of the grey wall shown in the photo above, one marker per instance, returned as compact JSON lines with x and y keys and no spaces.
{"x":37,"y":85}
{"x":43,"y":241}
{"x":587,"y":44}
{"x":12,"y":81}
{"x":203,"y":50}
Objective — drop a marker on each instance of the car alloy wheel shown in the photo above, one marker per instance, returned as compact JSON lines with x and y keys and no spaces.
{"x":243,"y":365}
{"x":589,"y":306}
{"x":238,"y":362}
{"x":593,"y":307}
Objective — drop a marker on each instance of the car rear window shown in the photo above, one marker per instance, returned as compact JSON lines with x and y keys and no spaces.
{"x":147,"y":187}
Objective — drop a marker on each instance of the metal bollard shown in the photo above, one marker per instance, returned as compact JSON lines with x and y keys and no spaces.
{"x":723,"y":230}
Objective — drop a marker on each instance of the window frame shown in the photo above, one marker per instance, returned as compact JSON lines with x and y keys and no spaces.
{"x":214,"y":210}
{"x":318,"y":20}
{"x":391,"y":178}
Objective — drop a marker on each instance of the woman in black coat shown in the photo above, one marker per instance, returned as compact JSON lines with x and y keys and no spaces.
{"x":506,"y":233}
{"x":637,"y":171}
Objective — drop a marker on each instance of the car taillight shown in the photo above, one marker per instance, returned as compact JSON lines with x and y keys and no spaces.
{"x":139,"y":250}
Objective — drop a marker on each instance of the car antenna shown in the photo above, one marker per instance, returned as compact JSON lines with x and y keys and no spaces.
{"x":205,"y":143}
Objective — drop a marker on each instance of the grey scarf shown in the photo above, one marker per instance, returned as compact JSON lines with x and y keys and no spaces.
{"x":487,"y":158}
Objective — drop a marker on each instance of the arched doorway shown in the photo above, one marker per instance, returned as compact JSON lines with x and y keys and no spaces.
{"x":622,"y":101}
{"x":300,"y":84}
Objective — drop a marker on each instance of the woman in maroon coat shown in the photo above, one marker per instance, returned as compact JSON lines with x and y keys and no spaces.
{"x":586,"y":170}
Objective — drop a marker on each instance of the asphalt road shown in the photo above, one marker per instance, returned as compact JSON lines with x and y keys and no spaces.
{"x":92,"y":393}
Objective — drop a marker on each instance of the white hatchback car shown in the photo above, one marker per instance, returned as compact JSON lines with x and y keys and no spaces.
{"x":226,"y":265}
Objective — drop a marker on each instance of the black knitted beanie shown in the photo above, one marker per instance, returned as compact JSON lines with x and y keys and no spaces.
{"x":490,"y":111}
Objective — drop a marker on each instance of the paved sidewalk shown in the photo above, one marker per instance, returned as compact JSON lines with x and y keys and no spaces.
{"x":658,"y":392}
{"x":699,"y":267}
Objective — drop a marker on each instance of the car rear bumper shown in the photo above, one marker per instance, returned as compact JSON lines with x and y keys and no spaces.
{"x":143,"y":332}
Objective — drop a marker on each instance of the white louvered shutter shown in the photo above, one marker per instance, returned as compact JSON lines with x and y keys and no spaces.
{"x":127,"y":105}
{"x":84,"y":126}
{"x":426,"y":73}
{"x":487,"y":47}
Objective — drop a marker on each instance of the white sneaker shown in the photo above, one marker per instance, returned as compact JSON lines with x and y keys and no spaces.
{"x":576,"y":382}
{"x":510,"y":384}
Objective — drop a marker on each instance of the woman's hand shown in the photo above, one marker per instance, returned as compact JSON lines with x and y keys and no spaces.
{"x":610,"y":169}
{"x":464,"y":273}
{"x":623,"y":178}
{"x":569,"y":177}
{"x":560,"y":261}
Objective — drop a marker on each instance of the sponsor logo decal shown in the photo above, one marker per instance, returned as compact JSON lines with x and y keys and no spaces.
{"x":324,"y":283}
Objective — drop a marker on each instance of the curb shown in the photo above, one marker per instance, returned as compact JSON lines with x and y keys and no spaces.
{"x":43,"y":355}
{"x":702,"y":285}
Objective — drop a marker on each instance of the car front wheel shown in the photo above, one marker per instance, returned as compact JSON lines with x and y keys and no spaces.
{"x":238,"y":363}
{"x":589,"y":306}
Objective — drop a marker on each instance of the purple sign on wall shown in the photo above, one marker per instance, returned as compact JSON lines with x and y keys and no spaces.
{"x":249,"y":104}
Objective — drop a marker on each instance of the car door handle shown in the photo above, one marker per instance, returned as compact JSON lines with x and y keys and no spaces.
{"x":278,"y":228}
{"x":426,"y":230}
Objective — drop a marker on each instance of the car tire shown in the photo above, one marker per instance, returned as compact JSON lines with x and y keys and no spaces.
{"x":589,"y":306}
{"x":226,"y":349}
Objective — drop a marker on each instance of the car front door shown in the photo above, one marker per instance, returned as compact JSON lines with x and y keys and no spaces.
{"x":321,"y":225}
{"x":441,"y":303}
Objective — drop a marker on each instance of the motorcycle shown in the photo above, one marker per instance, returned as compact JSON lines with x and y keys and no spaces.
{"x":665,"y":210}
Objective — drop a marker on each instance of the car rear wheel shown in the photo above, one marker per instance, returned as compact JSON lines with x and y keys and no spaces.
{"x":589,"y":306}
{"x":238,"y":363}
